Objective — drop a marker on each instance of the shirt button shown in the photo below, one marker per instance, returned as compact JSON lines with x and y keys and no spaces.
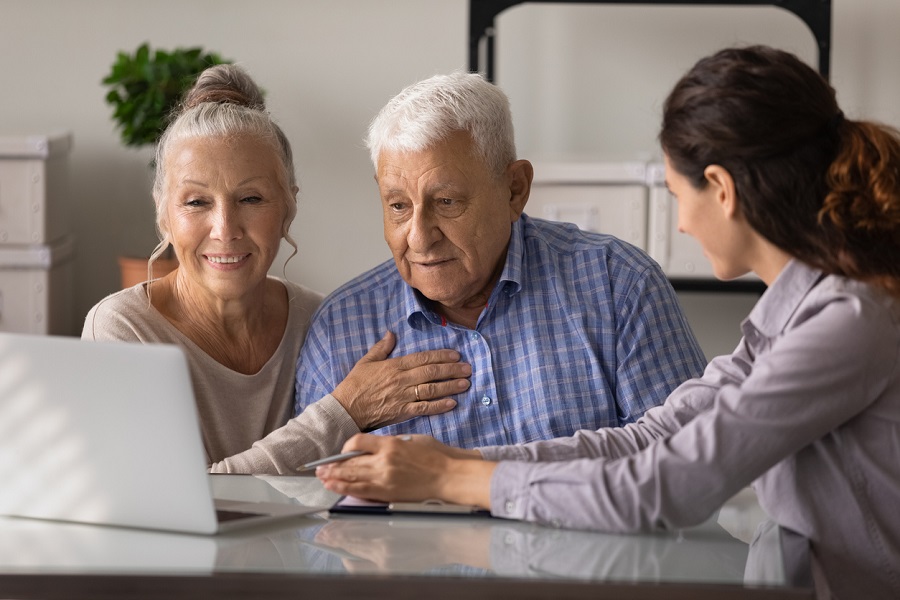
{"x":510,"y":506}
{"x":473,"y":336}
{"x":486,"y":401}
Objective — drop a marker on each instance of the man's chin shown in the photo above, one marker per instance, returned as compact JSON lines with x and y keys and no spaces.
{"x":437,"y":294}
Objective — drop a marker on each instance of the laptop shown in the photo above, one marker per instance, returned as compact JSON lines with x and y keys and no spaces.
{"x":108,"y":433}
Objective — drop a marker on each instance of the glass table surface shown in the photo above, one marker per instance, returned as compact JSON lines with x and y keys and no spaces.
{"x":425,"y":548}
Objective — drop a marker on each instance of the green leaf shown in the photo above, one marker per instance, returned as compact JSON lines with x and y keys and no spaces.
{"x":145,"y":86}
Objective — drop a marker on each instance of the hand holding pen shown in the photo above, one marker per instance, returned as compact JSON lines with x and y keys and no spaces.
{"x":311,"y":466}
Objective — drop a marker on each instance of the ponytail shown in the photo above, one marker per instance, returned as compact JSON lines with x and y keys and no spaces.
{"x":861,"y":210}
{"x":824,"y":189}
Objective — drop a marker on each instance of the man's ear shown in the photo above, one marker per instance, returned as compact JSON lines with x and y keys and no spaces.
{"x":722,"y":186}
{"x":519,"y":174}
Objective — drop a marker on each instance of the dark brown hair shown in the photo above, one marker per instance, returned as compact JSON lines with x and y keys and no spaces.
{"x":819,"y":186}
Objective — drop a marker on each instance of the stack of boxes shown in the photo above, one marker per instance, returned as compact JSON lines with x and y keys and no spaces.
{"x":36,"y":244}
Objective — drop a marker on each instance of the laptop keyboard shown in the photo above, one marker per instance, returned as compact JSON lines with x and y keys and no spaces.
{"x":223,"y":516}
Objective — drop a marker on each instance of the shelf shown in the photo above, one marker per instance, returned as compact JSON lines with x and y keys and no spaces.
{"x":816,"y":14}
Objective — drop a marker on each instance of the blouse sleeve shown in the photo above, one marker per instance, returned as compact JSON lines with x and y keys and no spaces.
{"x":683,"y":404}
{"x":815,"y":377}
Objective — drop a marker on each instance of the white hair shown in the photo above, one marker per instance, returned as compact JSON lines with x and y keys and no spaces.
{"x":429,"y":111}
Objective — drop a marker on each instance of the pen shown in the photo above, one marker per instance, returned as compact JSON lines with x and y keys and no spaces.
{"x":330,"y":459}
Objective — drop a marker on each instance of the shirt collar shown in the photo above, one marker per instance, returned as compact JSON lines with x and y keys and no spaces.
{"x":778,"y":303}
{"x":415,"y":306}
{"x":512,"y":275}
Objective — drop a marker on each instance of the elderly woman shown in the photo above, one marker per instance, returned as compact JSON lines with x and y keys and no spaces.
{"x":225,"y":194}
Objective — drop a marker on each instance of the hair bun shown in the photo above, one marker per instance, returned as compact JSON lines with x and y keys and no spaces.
{"x":224,"y":84}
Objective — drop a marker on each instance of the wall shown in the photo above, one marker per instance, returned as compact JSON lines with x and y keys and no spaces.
{"x":585,"y":81}
{"x":327,"y":66}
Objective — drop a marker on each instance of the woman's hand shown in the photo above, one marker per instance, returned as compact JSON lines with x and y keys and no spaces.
{"x":389,"y":546}
{"x":410,"y":468}
{"x":381,"y":391}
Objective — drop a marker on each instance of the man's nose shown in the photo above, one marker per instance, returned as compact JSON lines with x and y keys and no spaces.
{"x":424,"y":230}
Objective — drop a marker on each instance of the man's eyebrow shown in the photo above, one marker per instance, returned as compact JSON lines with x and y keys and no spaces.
{"x":431,"y":189}
{"x":441,"y":186}
{"x":394,"y":191}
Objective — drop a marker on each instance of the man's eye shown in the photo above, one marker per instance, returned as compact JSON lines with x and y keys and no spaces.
{"x":449,"y":207}
{"x":251,"y":200}
{"x":194,"y":202}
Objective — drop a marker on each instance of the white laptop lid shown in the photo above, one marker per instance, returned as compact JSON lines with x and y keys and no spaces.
{"x":106,"y":433}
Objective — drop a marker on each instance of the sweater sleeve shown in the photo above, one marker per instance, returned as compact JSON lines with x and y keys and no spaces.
{"x":318,"y":431}
{"x":120,"y":317}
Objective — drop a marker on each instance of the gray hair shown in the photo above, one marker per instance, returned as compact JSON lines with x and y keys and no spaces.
{"x":224,"y":103}
{"x":429,"y":111}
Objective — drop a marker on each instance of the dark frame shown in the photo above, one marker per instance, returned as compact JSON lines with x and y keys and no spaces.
{"x":816,"y":14}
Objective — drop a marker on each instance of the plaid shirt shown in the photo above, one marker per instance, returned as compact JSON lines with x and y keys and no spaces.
{"x":582,"y":331}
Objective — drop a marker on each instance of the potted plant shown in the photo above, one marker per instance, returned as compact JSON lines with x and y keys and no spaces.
{"x":144,"y":87}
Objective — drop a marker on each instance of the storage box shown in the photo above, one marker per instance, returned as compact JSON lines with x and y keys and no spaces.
{"x":36,"y":285}
{"x":33,"y":188}
{"x":602,"y":197}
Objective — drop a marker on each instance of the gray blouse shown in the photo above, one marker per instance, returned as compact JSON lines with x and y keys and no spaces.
{"x":807,"y":409}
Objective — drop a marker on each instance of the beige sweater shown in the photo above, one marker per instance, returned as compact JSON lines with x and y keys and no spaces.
{"x":244,"y":418}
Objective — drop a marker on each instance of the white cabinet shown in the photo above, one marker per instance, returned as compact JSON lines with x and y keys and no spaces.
{"x":33,"y":180}
{"x":36,"y":247}
{"x":36,"y":288}
{"x":600,"y":197}
{"x":628,"y":200}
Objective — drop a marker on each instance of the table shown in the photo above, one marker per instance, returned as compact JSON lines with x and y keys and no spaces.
{"x":392,"y":557}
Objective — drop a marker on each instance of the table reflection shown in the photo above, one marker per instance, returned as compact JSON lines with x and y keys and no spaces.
{"x":454,"y":546}
{"x":413,"y":545}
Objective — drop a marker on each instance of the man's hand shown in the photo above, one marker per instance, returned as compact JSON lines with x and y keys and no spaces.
{"x":381,"y":391}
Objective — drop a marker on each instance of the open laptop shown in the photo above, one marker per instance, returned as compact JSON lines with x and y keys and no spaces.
{"x":108,"y":433}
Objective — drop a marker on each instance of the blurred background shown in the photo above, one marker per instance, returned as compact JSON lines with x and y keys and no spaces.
{"x":586,"y":84}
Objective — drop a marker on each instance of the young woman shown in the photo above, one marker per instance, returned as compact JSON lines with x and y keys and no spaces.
{"x":770,"y":177}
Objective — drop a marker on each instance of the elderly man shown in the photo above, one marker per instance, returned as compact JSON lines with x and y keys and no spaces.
{"x":564,"y":329}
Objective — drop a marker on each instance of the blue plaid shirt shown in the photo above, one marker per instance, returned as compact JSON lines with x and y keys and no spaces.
{"x":582,"y":331}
